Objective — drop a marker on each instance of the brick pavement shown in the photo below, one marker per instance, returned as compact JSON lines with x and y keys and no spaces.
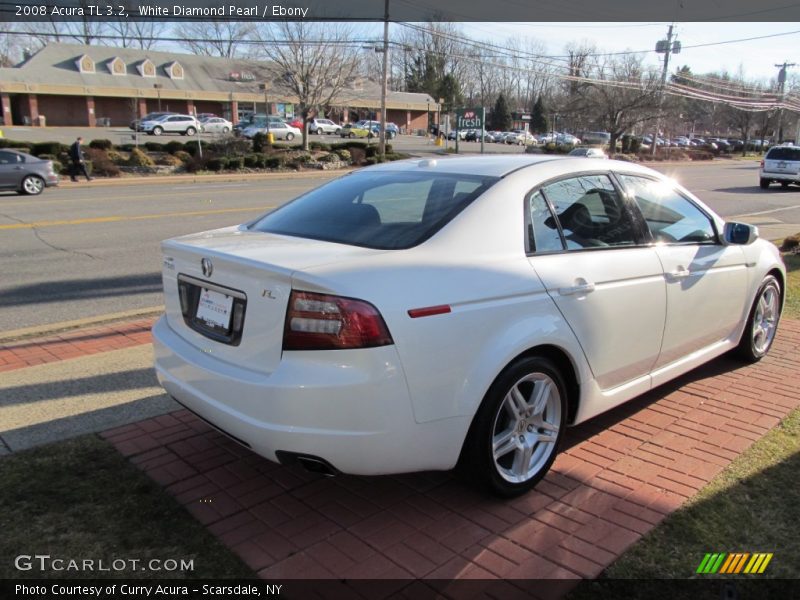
{"x":618,"y":476}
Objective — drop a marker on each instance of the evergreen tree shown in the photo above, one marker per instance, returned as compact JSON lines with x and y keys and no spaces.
{"x":538,"y":118}
{"x":501,"y":115}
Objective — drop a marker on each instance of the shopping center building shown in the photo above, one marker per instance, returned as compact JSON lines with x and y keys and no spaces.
{"x":76,"y":85}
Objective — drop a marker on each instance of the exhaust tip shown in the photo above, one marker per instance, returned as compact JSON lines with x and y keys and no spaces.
{"x":312,"y":464}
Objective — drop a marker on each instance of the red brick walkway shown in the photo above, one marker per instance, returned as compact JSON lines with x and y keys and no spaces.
{"x":619,"y":476}
{"x":16,"y":355}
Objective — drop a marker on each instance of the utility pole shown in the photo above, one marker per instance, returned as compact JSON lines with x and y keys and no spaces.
{"x":665,"y":47}
{"x":385,"y":86}
{"x":781,"y":91}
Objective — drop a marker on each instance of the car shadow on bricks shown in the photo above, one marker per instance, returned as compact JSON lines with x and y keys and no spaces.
{"x":81,"y":289}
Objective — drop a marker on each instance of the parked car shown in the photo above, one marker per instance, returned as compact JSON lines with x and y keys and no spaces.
{"x":566,"y":139}
{"x":324,"y":126}
{"x":344,"y":330}
{"x":136,"y":124}
{"x":521,"y":138}
{"x":356,"y":130}
{"x":25,"y":174}
{"x":588,"y":152}
{"x":279,"y":129}
{"x":216,"y":125}
{"x":474,"y":135}
{"x":596,"y":138}
{"x":391,"y":130}
{"x":181,"y":124}
{"x":461,"y":133}
{"x":296,"y":123}
{"x":781,"y":164}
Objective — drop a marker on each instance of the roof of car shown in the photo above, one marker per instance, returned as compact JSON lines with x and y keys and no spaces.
{"x":491,"y":166}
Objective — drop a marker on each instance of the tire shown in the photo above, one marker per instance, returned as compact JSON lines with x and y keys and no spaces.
{"x":516,"y":432}
{"x":289,"y":136}
{"x":784,"y":184}
{"x":763,"y":183}
{"x":191,"y":131}
{"x":759,"y":333}
{"x":351,"y":135}
{"x":225,"y":130}
{"x":32,"y":185}
{"x":157,"y":130}
{"x":338,"y":132}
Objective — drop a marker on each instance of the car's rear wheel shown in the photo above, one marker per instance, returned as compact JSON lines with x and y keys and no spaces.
{"x":784,"y":184}
{"x":157,"y":131}
{"x":514,"y":438}
{"x":289,"y":136}
{"x":225,"y":130}
{"x":763,"y":183}
{"x":338,"y":132}
{"x":32,"y":185}
{"x":352,"y":135}
{"x":759,"y":333}
{"x":191,"y":131}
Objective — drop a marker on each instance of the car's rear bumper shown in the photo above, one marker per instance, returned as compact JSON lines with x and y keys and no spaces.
{"x":350,"y":408}
{"x":51,"y":181}
{"x":790,"y":177}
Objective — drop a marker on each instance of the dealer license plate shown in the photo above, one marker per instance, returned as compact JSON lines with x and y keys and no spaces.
{"x":215,"y":309}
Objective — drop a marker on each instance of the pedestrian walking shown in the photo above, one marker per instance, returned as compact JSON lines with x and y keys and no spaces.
{"x":78,"y":164}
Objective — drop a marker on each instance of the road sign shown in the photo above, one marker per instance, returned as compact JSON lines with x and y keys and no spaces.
{"x":469,"y":118}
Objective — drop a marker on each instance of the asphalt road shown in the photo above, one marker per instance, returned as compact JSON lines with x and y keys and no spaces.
{"x":77,"y":252}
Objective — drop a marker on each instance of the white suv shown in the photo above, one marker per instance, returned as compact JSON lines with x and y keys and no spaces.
{"x":781,"y":164}
{"x":183,"y":124}
{"x":321,"y":126}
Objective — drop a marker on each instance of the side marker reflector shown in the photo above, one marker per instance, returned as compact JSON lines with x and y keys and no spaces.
{"x":429,"y":311}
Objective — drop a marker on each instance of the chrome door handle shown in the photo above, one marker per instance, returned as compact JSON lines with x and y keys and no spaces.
{"x":582,"y":288}
{"x":679,"y":273}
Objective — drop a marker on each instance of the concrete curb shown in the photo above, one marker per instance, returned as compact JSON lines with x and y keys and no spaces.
{"x":65,"y":183}
{"x":53,"y":328}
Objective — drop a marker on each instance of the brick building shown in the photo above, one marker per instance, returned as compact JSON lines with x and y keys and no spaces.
{"x":76,"y":85}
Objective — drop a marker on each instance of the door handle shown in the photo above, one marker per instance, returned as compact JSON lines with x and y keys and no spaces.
{"x":679,"y":273}
{"x":582,"y":287}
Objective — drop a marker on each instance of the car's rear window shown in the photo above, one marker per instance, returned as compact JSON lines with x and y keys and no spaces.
{"x":387,"y":211}
{"x":784,"y":154}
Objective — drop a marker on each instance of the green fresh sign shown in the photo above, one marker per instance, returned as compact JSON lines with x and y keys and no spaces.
{"x":469,"y":118}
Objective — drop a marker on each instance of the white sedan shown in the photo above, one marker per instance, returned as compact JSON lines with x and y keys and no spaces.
{"x":281,"y":131}
{"x":216,"y":125}
{"x":419,"y":314}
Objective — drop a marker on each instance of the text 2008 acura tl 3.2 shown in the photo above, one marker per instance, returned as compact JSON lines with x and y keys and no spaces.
{"x":415,"y":315}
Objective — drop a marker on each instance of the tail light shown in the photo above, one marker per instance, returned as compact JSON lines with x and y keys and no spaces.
{"x":762,"y":164}
{"x":325,"y":322}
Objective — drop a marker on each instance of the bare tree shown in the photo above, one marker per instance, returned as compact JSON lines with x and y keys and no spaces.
{"x":315,"y":62}
{"x":138,"y":34}
{"x":621,"y":95}
{"x":214,"y":38}
{"x":84,"y":30}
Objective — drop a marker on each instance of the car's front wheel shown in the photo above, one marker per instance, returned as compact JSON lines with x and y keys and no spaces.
{"x":759,"y":333}
{"x":191,"y":131}
{"x":225,"y":130}
{"x":157,"y":131}
{"x":763,"y":183}
{"x":514,"y":438}
{"x":289,"y":136}
{"x":32,"y":185}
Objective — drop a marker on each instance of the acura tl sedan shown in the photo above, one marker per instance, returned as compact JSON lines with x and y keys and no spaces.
{"x":425,"y":314}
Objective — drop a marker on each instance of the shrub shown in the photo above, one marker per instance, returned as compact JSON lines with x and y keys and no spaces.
{"x":169,"y":160}
{"x":260,"y":142}
{"x":275,"y":162}
{"x":173,"y":147}
{"x":154,"y":146}
{"x":235,"y":163}
{"x":183,"y":156}
{"x":332,"y":157}
{"x":101,"y":163}
{"x":125,"y":147}
{"x":192,"y":147}
{"x":390,"y":156}
{"x":254,"y":161}
{"x":230,"y":146}
{"x":791,"y":243}
{"x":344,"y":155}
{"x":139,"y":159}
{"x":101,"y":144}
{"x":371,"y":151}
{"x":372,"y":160}
{"x":303,"y":157}
{"x":53,"y":148}
{"x":217,"y":163}
{"x":194,"y":164}
{"x":319,"y":146}
{"x":115,"y":157}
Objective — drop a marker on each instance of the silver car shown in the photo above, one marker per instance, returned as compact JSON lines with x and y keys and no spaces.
{"x":781,"y":164}
{"x":25,"y":174}
{"x":182,"y":124}
{"x":326,"y":126}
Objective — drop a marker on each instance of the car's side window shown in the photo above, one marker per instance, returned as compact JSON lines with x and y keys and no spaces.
{"x":543,"y":227}
{"x":671,"y":218}
{"x":9,"y":158}
{"x":590,"y":212}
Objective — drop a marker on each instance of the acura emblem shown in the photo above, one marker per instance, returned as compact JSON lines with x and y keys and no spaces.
{"x":208,"y":268}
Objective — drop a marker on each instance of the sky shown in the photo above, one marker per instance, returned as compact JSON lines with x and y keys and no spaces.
{"x":756,"y":57}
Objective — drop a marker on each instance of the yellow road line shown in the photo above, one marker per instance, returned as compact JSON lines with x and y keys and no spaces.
{"x":112,"y":219}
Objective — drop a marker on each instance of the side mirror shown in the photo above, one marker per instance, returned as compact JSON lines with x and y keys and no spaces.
{"x":740,"y":233}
